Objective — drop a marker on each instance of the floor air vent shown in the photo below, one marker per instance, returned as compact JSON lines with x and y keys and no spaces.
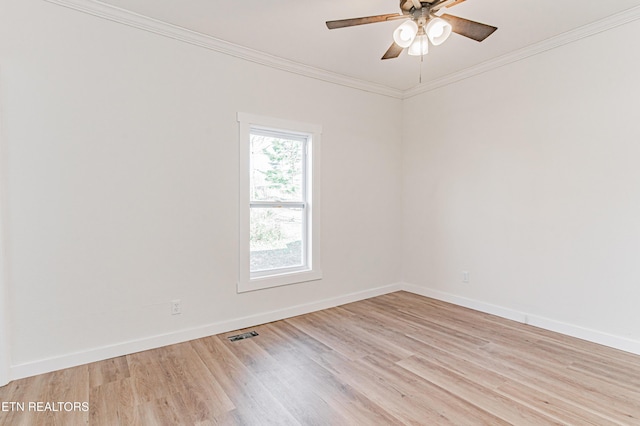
{"x":243,"y":336}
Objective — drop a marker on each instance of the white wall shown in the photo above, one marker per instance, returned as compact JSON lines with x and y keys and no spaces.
{"x":528,"y":177}
{"x":5,"y":360}
{"x":122,"y":166}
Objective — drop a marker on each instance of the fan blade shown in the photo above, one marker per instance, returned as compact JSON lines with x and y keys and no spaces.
{"x":439,"y":4}
{"x":473,"y":30}
{"x":455,"y":2}
{"x":342,"y":23}
{"x":393,"y":52}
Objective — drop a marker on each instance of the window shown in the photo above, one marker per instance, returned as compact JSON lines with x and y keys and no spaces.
{"x":279,"y":202}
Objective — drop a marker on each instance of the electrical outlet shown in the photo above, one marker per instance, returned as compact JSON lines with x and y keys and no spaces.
{"x":176,"y":307}
{"x":465,"y":276}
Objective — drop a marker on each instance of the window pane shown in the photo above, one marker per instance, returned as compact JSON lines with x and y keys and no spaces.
{"x":276,"y":168}
{"x":275,"y":238}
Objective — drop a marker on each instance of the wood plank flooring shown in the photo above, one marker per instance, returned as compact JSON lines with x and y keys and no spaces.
{"x":394,"y":359}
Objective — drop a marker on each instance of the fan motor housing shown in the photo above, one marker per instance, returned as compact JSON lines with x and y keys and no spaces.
{"x":407,"y":5}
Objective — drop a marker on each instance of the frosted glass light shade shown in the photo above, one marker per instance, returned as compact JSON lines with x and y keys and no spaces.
{"x":420,"y":46}
{"x":405,"y":33}
{"x":438,"y":30}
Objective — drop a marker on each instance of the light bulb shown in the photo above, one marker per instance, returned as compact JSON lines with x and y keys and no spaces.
{"x":438,"y":31}
{"x":420,"y":46}
{"x":405,"y":33}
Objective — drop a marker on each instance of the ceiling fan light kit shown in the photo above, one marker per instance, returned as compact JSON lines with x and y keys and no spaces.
{"x":422,"y":26}
{"x":420,"y":46}
{"x":405,"y":34}
{"x":438,"y":31}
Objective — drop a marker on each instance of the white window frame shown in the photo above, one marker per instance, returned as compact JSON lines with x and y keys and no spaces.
{"x":311,"y":249}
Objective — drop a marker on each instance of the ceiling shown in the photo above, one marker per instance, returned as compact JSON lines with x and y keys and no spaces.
{"x":295,"y":30}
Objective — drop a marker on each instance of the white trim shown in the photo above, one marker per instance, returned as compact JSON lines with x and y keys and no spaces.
{"x":313,"y":134}
{"x":5,"y":355}
{"x":105,"y":352}
{"x":594,"y":336}
{"x":131,"y":19}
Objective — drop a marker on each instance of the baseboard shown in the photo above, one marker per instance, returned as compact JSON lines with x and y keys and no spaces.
{"x":98,"y":354}
{"x":595,"y":336}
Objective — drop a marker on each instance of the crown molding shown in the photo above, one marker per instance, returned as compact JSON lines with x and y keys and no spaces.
{"x":579,"y":33}
{"x":135,"y":20}
{"x":132,"y":19}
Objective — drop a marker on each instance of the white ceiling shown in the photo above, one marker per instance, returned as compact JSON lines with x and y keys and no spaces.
{"x":295,"y":30}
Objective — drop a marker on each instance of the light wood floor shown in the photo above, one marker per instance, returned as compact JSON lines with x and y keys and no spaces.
{"x":393,"y":359}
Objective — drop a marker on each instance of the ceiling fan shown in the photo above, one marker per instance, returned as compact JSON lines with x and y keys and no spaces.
{"x":422,"y":26}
